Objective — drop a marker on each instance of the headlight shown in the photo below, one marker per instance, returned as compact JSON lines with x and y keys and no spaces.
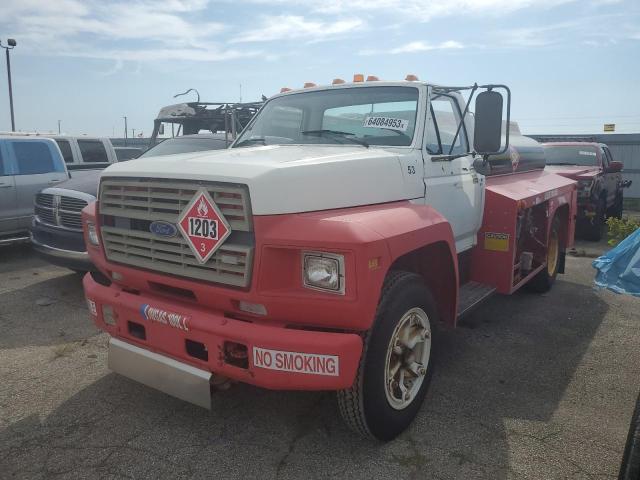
{"x":323,"y":271}
{"x":93,"y":234}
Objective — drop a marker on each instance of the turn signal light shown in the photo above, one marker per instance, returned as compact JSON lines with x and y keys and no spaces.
{"x":358,"y":77}
{"x":309,"y":85}
{"x":285,"y":89}
{"x":337,"y":81}
{"x":411,"y":78}
{"x":372,"y":78}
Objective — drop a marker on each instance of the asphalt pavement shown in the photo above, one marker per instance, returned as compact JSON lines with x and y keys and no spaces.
{"x":528,"y":387}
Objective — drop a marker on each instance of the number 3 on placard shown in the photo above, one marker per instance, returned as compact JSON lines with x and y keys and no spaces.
{"x":203,"y":248}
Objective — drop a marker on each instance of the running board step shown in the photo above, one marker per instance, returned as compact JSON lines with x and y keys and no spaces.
{"x":471,"y":295}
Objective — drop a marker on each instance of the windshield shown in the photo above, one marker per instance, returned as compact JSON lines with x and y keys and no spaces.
{"x":583,"y":155}
{"x":184,"y":145}
{"x":364,"y":116}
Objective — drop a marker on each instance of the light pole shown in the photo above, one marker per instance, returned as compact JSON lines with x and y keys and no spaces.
{"x":11,"y":43}
{"x":125,"y":131}
{"x":59,"y":126}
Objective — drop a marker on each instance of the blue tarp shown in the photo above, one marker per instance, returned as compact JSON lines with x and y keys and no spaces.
{"x":619,"y":268}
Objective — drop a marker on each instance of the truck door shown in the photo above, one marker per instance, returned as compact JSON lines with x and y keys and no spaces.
{"x":8,"y":200}
{"x":37,"y":165}
{"x":611,"y":180}
{"x":452,"y":186}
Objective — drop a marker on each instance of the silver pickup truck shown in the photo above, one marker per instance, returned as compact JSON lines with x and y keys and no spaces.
{"x":27,"y":165}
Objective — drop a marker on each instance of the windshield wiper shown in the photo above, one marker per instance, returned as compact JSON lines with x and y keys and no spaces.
{"x":345,"y":135}
{"x":567,"y":163}
{"x":446,"y":158}
{"x":251,"y":140}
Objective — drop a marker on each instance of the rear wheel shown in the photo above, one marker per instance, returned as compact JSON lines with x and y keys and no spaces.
{"x":545,"y":278}
{"x":396,"y":366}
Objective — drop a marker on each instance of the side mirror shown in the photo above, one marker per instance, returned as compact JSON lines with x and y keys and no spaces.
{"x":615,"y":167}
{"x":487,"y":137}
{"x":161,"y":129}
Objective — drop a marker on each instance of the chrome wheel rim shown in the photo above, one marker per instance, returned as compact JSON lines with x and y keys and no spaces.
{"x":407,"y":360}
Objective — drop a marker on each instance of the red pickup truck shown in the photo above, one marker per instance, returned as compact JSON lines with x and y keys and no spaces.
{"x":600,"y":183}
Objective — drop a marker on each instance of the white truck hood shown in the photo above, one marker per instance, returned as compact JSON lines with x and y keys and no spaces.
{"x":286,"y":178}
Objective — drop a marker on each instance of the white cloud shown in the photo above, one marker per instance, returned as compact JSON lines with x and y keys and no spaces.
{"x":417,"y":46}
{"x":148,"y":30}
{"x":297,"y":27}
{"x":420,"y":10}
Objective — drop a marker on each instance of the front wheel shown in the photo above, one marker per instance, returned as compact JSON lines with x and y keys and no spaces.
{"x":595,"y":229}
{"x":616,"y":209}
{"x":396,"y":365}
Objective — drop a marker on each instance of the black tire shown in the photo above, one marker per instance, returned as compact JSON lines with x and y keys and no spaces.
{"x":365,"y":407}
{"x":630,"y":468}
{"x":545,"y":278}
{"x":616,"y":209}
{"x":594,"y":230}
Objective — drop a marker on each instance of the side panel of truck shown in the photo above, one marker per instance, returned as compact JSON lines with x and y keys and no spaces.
{"x":509,"y":198}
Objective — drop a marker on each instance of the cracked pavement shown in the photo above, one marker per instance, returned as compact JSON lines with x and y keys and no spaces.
{"x":528,"y":387}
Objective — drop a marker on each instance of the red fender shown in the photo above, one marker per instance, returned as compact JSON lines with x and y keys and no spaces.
{"x":371,"y":238}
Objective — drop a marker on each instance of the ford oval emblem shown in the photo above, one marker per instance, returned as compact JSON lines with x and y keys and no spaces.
{"x":163,"y":229}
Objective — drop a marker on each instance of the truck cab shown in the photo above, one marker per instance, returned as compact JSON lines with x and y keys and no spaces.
{"x":363,"y":115}
{"x":323,"y":249}
{"x":27,"y":164}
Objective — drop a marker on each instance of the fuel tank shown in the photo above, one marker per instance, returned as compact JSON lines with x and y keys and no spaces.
{"x":523,"y":155}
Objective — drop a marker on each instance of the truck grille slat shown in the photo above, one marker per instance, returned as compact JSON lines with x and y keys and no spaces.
{"x":137,"y":203}
{"x":44,"y":200}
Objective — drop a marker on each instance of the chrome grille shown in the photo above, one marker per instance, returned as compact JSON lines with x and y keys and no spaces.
{"x":71,"y":220}
{"x":44,"y":200}
{"x":59,"y":210}
{"x":72,"y":204}
{"x":45,"y":215}
{"x":128,"y":206}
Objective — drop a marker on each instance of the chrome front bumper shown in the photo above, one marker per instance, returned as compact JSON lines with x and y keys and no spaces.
{"x":162,"y":373}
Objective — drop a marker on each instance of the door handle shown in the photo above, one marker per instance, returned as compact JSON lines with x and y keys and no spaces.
{"x":51,"y":182}
{"x":5,"y":185}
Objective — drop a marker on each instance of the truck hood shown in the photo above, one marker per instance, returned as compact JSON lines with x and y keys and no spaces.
{"x":85,"y":181}
{"x":574,"y":172}
{"x":286,"y":178}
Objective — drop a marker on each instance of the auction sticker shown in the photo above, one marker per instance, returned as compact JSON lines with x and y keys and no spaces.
{"x":309,"y":363}
{"x":386,"y":122}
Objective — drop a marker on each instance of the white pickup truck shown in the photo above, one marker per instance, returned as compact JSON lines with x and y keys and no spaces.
{"x":322,"y":249}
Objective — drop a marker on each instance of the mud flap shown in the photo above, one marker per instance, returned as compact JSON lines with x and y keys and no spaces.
{"x":561,"y":259}
{"x":162,"y":373}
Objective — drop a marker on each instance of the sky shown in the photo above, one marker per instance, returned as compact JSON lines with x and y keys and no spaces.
{"x":572,"y":65}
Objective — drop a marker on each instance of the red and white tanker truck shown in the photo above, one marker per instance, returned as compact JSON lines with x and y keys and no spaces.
{"x":320,"y":251}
